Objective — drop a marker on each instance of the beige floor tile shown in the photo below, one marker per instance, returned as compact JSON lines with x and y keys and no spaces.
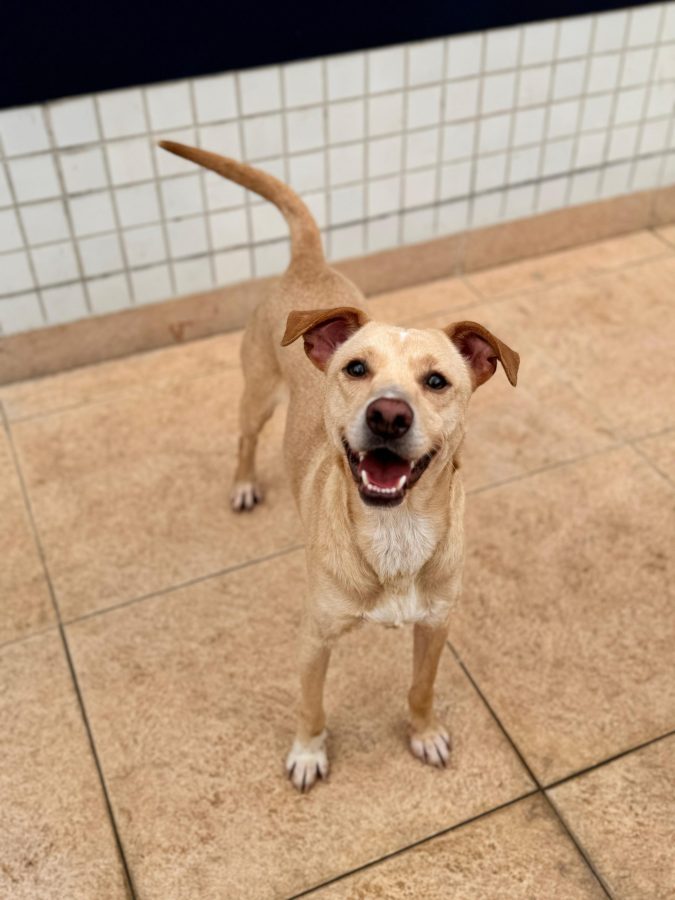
{"x":56,"y":836}
{"x":517,"y":853}
{"x":130,"y":374}
{"x":566,"y":621}
{"x":415,"y":304}
{"x":132,"y":495}
{"x":661,"y":451}
{"x":611,"y":338}
{"x":534,"y":274}
{"x":624,"y":816}
{"x":25,"y":606}
{"x":191,"y":700}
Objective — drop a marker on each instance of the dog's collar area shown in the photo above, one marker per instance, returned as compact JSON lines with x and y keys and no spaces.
{"x":383,"y":477}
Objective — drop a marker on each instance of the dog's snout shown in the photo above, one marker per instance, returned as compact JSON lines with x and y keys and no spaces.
{"x":388,"y":417}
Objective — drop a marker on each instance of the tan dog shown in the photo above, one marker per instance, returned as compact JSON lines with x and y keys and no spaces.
{"x":374,"y":428}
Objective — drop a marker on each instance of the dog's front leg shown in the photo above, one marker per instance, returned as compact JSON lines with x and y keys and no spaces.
{"x":429,"y":740}
{"x":308,"y":760}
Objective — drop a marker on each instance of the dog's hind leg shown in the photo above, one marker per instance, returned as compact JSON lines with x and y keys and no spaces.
{"x":262,"y":383}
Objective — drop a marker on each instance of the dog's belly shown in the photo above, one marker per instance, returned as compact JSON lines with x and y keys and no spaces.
{"x":394,"y":610}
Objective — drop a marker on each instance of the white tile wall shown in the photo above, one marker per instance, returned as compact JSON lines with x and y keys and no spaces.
{"x":393,"y":145}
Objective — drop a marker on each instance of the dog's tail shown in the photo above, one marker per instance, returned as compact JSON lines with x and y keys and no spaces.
{"x":305,"y":234}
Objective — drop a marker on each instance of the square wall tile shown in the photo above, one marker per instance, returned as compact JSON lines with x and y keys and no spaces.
{"x":23,"y":130}
{"x":346,"y":121}
{"x":65,"y":304}
{"x":461,"y":100}
{"x":590,"y":149}
{"x":423,"y":107}
{"x":520,"y":202}
{"x":574,"y":36}
{"x":271,"y":259}
{"x":418,"y":225}
{"x":130,"y":160}
{"x":584,"y":187}
{"x":92,"y":213}
{"x":21,"y":313}
{"x":453,"y":217}
{"x":603,"y":74}
{"x":44,"y":222}
{"x":74,"y":122}
{"x":101,"y":254}
{"x":109,"y":294}
{"x":596,"y":112}
{"x":419,"y":188}
{"x":215,"y":98}
{"x":382,"y":234}
{"x":10,"y":234}
{"x":307,"y":171}
{"x":557,"y":157}
{"x":221,"y":193}
{"x":501,"y":49}
{"x":144,"y":246}
{"x":622,"y":143}
{"x":533,"y":86}
{"x":538,"y":43}
{"x":464,"y":56}
{"x":490,"y":172}
{"x":458,"y":141}
{"x":523,"y":164}
{"x":552,"y":194}
{"x":15,"y":273}
{"x":303,"y":83}
{"x":425,"y":62}
{"x":181,"y":196}
{"x":137,"y":205}
{"x":346,"y":204}
{"x":385,"y":114}
{"x":563,"y":118}
{"x":233,"y":266}
{"x":34,"y":178}
{"x":55,"y":263}
{"x":267,"y":222}
{"x":260,"y":90}
{"x":263,"y":137}
{"x":385,"y":69}
{"x":348,"y":241}
{"x":304,"y":129}
{"x":122,"y":113}
{"x":222,"y":138}
{"x":187,"y":237}
{"x":494,"y":133}
{"x":384,"y":195}
{"x":528,"y":127}
{"x":615,"y":180}
{"x":498,"y":92}
{"x":610,"y":29}
{"x":654,"y":136}
{"x":152,"y":284}
{"x":346,"y":76}
{"x":568,"y":80}
{"x":193,"y":275}
{"x":169,"y":106}
{"x":346,"y":163}
{"x":637,"y":66}
{"x":169,"y":163}
{"x":84,"y":170}
{"x":629,"y":105}
{"x":644,"y":25}
{"x":422,"y":148}
{"x":229,"y":228}
{"x":384,"y":156}
{"x":455,"y":180}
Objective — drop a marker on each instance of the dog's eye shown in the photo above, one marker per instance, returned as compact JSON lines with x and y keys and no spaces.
{"x":436,"y":381}
{"x":356,"y":368}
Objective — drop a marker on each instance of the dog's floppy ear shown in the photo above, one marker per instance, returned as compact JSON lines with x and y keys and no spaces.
{"x":323,"y":330}
{"x":481,"y":349}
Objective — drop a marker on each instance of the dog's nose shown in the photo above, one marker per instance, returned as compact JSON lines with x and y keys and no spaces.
{"x":389,"y":418}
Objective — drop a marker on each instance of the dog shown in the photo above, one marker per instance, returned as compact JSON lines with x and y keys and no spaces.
{"x":375,"y":425}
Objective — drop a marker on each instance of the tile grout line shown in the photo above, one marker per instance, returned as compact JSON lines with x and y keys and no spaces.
{"x":408,"y":847}
{"x":69,"y":660}
{"x":541,"y":790}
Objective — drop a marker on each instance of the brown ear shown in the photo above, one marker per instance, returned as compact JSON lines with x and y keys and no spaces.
{"x":481,"y":349}
{"x":323,"y":330}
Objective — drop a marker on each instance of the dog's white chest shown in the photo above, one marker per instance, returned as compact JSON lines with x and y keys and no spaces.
{"x":395,"y":610}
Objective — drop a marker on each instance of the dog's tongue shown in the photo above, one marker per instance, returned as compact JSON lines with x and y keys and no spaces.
{"x":384,"y":468}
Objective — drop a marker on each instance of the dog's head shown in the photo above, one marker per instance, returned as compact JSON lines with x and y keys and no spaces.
{"x":396,"y":398}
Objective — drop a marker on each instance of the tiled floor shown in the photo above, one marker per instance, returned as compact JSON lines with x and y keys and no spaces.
{"x":137,"y":612}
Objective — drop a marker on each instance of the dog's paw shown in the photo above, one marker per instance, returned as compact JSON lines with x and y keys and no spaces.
{"x":431,"y":746}
{"x":307,"y":761}
{"x":245,"y":495}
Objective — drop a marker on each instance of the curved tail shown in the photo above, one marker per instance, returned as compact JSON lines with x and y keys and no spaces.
{"x":305,"y":236}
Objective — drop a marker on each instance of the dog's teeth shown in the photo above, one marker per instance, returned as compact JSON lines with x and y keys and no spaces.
{"x":364,"y":477}
{"x":362,"y":455}
{"x":402,"y":480}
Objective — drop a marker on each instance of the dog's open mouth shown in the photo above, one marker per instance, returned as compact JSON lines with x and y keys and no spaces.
{"x":384,"y":477}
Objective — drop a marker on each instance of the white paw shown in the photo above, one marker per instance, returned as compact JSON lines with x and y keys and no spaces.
{"x":245,"y":495}
{"x":432,"y":747}
{"x":307,"y":762}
